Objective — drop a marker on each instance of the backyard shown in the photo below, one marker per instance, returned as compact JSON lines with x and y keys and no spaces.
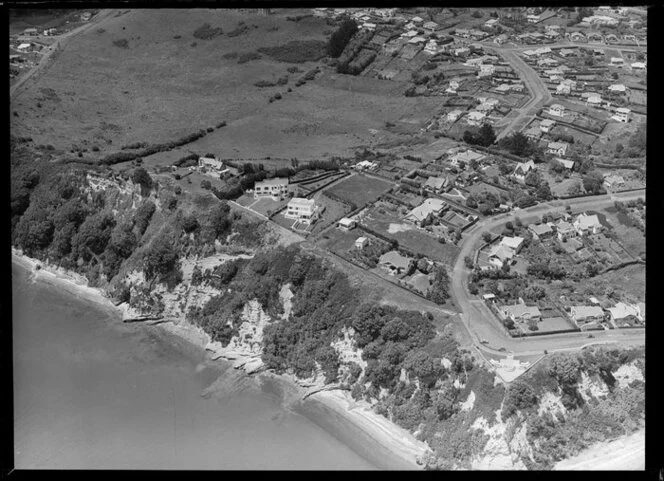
{"x":360,"y":189}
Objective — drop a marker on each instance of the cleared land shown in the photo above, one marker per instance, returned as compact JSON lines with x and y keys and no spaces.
{"x":360,"y":189}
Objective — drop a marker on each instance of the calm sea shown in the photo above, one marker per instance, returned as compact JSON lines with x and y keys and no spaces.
{"x":91,"y":392}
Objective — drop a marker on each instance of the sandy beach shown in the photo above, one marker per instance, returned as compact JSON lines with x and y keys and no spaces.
{"x":372,"y":430}
{"x":625,"y":453}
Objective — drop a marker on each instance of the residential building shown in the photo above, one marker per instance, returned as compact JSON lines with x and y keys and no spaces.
{"x":23,"y":47}
{"x":546,"y":125}
{"x":301,"y":209}
{"x":613,"y":180}
{"x":594,"y":100}
{"x":586,"y":314}
{"x":533,"y":133}
{"x":453,"y":115}
{"x":568,"y":164}
{"x":422,"y":212}
{"x":345,"y":224}
{"x":431,"y":47}
{"x":395,"y":262}
{"x":491,"y":23}
{"x":365,"y":165}
{"x":515,"y":243}
{"x":435,"y":184}
{"x":430,"y":26}
{"x":501,"y":39}
{"x":85,"y":16}
{"x":360,"y":242}
{"x":540,"y":231}
{"x":638,"y":66}
{"x":557,"y":148}
{"x":522,"y":170}
{"x":533,"y":18}
{"x":475,"y":118}
{"x":503,"y":89}
{"x":565,"y":231}
{"x":519,"y":312}
{"x":619,"y":88}
{"x":622,"y":310}
{"x":557,"y":110}
{"x":587,"y":224}
{"x":486,"y":70}
{"x":462,"y":32}
{"x":617,"y":61}
{"x":212,"y":163}
{"x":30,"y":31}
{"x":276,"y":188}
{"x":466,"y":157}
{"x":621,"y":115}
{"x":417,"y":20}
{"x":566,"y":52}
{"x":577,"y":37}
{"x":499,"y":254}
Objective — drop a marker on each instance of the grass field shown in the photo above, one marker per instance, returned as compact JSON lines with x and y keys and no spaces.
{"x":163,"y":87}
{"x":360,"y":189}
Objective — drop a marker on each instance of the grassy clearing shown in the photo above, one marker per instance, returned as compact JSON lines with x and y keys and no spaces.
{"x":296,"y":51}
{"x":360,"y":189}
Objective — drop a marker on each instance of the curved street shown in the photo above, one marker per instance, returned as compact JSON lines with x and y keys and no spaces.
{"x":482,"y":324}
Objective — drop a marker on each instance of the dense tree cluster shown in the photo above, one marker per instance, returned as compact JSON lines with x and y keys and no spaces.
{"x":340,"y":37}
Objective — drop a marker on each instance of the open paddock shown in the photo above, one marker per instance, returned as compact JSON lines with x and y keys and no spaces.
{"x":360,"y":189}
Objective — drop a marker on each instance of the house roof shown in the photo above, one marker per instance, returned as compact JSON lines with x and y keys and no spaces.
{"x":512,"y":242}
{"x":584,"y":312}
{"x":523,"y":168}
{"x":395,"y":259}
{"x":521,"y":311}
{"x":274,"y":181}
{"x":302,"y":202}
{"x":556,"y":107}
{"x":564,"y":226}
{"x":540,"y":229}
{"x":622,"y":310}
{"x":547,"y":123}
{"x":435,"y":182}
{"x":427,"y":207}
{"x":585,"y":222}
{"x":346,"y":222}
{"x":557,"y":145}
{"x":501,"y":252}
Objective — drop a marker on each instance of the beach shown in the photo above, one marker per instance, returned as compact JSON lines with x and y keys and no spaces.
{"x":385,"y":444}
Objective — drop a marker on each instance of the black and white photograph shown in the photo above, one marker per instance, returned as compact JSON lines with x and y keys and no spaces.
{"x":332,"y":239}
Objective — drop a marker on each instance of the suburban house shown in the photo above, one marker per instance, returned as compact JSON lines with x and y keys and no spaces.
{"x":301,"y":209}
{"x":557,"y":148}
{"x":638,"y":66}
{"x":431,"y":47}
{"x":85,"y":16}
{"x":360,"y":242}
{"x":462,"y":32}
{"x":499,"y":254}
{"x":515,"y":243}
{"x":365,"y":165}
{"x":23,"y":47}
{"x":546,"y":125}
{"x":276,"y":188}
{"x":213,"y":163}
{"x":566,"y":52}
{"x":586,"y":314}
{"x":503,"y":89}
{"x":395,"y":262}
{"x":613,"y":180}
{"x":345,"y":224}
{"x":540,"y":231}
{"x":621,"y":115}
{"x":622,"y":310}
{"x":491,"y":23}
{"x":427,"y":208}
{"x":522,"y":170}
{"x":30,"y":31}
{"x":501,"y":39}
{"x":557,"y":110}
{"x":577,"y":37}
{"x":565,"y":231}
{"x":519,"y":312}
{"x":585,"y":224}
{"x":466,"y":157}
{"x":533,"y":18}
{"x":533,"y":133}
{"x":486,"y":70}
{"x":430,"y":26}
{"x":594,"y":99}
{"x":435,"y":184}
{"x":475,"y":118}
{"x":617,"y":61}
{"x":453,"y":115}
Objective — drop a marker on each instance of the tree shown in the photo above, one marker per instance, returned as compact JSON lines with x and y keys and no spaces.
{"x":35,"y":230}
{"x":206,"y":184}
{"x":468,"y":262}
{"x":565,"y":368}
{"x":161,"y":259}
{"x":517,"y":144}
{"x":140,"y":176}
{"x":219,"y":222}
{"x":143,"y":215}
{"x":422,"y":365}
{"x":593,"y":181}
{"x":93,"y":235}
{"x":189,"y":223}
{"x":543,"y":191}
{"x":519,"y":396}
{"x":341,"y":37}
{"x":439,"y":292}
{"x":486,"y":237}
{"x":486,"y":135}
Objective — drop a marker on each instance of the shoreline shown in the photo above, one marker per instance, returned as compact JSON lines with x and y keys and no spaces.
{"x":391,"y":439}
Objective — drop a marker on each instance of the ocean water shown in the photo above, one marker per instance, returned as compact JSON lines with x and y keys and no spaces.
{"x":93,"y":393}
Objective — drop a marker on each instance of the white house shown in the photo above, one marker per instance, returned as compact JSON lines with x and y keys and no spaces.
{"x":491,"y":23}
{"x":638,"y":66}
{"x":422,"y":212}
{"x":499,"y":254}
{"x":565,"y":230}
{"x":621,"y":115}
{"x":617,"y":88}
{"x":276,"y":188}
{"x":557,"y":148}
{"x":304,"y":210}
{"x":557,"y":110}
{"x":501,"y":39}
{"x":475,"y":118}
{"x":586,"y":314}
{"x":546,"y":125}
{"x":533,"y":18}
{"x":212,"y":162}
{"x":622,"y":310}
{"x":585,"y":224}
{"x":563,"y":89}
{"x":360,"y":242}
{"x":430,"y":26}
{"x":613,"y":180}
{"x":515,"y":243}
{"x":594,"y":100}
{"x":345,"y":224}
{"x":453,"y":115}
{"x":23,"y":47}
{"x":617,"y":61}
{"x":522,"y":170}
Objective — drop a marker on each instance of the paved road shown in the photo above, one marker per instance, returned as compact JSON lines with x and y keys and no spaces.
{"x":56,"y":48}
{"x":482,"y":325}
{"x":538,"y":90}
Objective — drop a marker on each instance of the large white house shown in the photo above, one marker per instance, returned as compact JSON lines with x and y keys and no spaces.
{"x":304,"y":210}
{"x":276,"y":188}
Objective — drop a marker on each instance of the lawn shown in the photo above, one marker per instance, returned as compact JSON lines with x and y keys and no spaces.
{"x":360,"y":189}
{"x":554,"y":324}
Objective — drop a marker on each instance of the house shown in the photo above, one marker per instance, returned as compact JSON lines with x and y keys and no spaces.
{"x":519,"y":312}
{"x":430,"y":26}
{"x":557,"y":148}
{"x":533,"y":18}
{"x":369,"y":26}
{"x":515,"y":243}
{"x":360,"y":242}
{"x":466,"y":157}
{"x":557,"y":110}
{"x":475,"y":118}
{"x":276,"y":188}
{"x":613,"y":180}
{"x":85,"y":16}
{"x":503,"y":89}
{"x":477,"y":34}
{"x":431,"y":47}
{"x":422,"y":212}
{"x":540,"y":231}
{"x":395,"y":262}
{"x":594,"y":100}
{"x":617,"y":61}
{"x":487,"y":104}
{"x":568,"y":164}
{"x":586,"y":314}
{"x":533,"y":133}
{"x":30,"y":31}
{"x":491,"y":23}
{"x":435,"y":184}
{"x":546,"y":125}
{"x":489,"y":297}
{"x":501,"y":39}
{"x":622,"y":310}
{"x":566,"y":52}
{"x":453,"y":115}
{"x":211,"y":162}
{"x":365,"y":165}
{"x":565,"y":231}
{"x":611,"y":38}
{"x":621,"y":115}
{"x":617,"y":88}
{"x":522,"y":170}
{"x":585,"y":224}
{"x":638,"y":66}
{"x":462,"y":51}
{"x":417,"y":20}
{"x":416,"y":40}
{"x":23,"y":47}
{"x":499,"y":254}
{"x":409,"y":34}
{"x":577,"y":37}
{"x":486,"y":70}
{"x":345,"y":224}
{"x":462,"y":32}
{"x":544,"y":62}
{"x":301,"y":209}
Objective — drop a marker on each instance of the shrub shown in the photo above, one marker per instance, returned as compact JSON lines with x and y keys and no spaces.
{"x":296,"y":51}
{"x":121,"y":43}
{"x":206,"y":32}
{"x":248,"y":56}
{"x":340,"y":38}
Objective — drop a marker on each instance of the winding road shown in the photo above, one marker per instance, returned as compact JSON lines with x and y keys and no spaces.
{"x":482,"y":324}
